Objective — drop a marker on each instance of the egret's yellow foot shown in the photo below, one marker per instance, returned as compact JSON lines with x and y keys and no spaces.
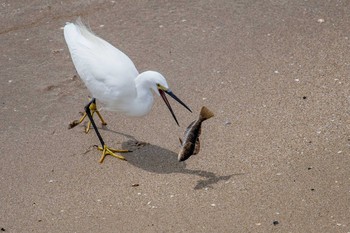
{"x":76,"y":122}
{"x":110,"y":151}
{"x":93,"y":110}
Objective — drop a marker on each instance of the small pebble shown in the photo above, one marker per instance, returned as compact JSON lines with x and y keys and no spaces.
{"x":55,"y":51}
{"x":321,"y":20}
{"x":275,"y":223}
{"x":227,"y":123}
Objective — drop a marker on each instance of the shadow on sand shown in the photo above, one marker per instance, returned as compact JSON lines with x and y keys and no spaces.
{"x":156,"y":159}
{"x":159,"y":160}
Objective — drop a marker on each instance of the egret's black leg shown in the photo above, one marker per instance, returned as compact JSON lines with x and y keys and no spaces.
{"x":88,"y":113}
{"x":93,"y":110}
{"x":105,"y":150}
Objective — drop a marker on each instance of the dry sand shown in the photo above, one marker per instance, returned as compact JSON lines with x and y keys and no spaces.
{"x":275,"y":158}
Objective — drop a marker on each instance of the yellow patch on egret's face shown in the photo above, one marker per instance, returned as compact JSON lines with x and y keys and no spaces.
{"x":161,"y":87}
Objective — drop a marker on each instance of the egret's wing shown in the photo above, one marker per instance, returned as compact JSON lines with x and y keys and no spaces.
{"x":106,"y":71}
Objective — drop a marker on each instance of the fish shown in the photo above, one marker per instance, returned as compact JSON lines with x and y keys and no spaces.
{"x":190,"y":145}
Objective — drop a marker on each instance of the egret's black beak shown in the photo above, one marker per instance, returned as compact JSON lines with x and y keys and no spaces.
{"x":169,"y":92}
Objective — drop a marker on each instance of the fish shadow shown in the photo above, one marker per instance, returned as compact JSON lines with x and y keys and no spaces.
{"x":159,"y":160}
{"x":156,"y":159}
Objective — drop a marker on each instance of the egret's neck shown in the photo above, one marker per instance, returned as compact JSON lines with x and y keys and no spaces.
{"x":143,"y":102}
{"x":143,"y":89}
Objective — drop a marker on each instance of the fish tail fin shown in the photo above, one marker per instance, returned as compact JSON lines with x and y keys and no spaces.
{"x":205,"y":114}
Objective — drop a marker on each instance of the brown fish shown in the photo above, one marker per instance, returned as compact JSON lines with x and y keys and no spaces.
{"x":190,"y":144}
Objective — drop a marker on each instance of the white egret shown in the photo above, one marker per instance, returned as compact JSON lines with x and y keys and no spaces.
{"x":112,"y":79}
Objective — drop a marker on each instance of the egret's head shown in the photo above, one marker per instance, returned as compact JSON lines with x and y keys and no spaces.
{"x":158,"y":82}
{"x":160,"y":86}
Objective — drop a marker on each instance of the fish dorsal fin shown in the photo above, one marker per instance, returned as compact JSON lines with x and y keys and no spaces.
{"x":189,"y":127}
{"x":180,"y":141}
{"x":197,"y":147}
{"x":205,"y":114}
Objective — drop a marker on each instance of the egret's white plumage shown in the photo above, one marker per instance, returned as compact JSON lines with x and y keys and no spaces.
{"x":109,"y":74}
{"x":113,"y":79}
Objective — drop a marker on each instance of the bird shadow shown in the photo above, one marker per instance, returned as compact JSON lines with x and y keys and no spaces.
{"x":159,"y":160}
{"x":156,"y":159}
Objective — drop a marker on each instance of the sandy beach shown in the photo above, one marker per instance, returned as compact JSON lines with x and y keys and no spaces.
{"x":275,"y":158}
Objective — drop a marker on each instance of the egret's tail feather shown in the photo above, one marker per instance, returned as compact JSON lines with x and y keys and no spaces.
{"x":85,"y":30}
{"x":77,"y":34}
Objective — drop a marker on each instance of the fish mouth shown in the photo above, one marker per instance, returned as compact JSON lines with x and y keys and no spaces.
{"x":170,"y":93}
{"x":182,"y":157}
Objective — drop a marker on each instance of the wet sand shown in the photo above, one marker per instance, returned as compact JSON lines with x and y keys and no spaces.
{"x":275,"y":158}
